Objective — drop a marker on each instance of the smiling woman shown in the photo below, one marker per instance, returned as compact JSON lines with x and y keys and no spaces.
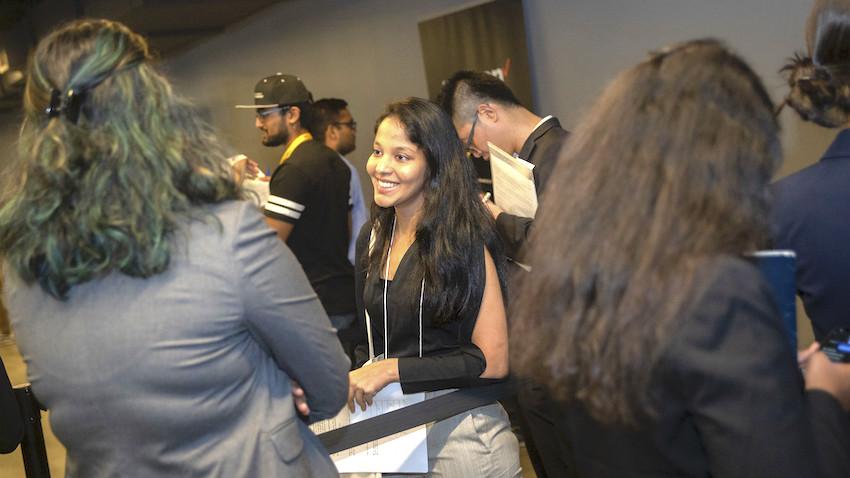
{"x":430,"y":273}
{"x":398,"y":168}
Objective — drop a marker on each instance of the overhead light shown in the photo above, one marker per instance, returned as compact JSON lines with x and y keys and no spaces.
{"x":12,"y":79}
{"x":4,"y":62}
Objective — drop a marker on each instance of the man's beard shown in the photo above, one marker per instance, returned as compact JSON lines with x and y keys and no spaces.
{"x":282,"y":137}
{"x":345,"y":148}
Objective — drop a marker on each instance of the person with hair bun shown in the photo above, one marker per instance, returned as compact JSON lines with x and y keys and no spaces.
{"x":811,"y":212}
{"x":662,"y":341}
{"x":160,"y":319}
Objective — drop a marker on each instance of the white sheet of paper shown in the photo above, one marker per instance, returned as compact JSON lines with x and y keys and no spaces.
{"x":404,"y":452}
{"x":513,"y":183}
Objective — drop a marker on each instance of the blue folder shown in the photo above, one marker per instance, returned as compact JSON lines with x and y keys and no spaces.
{"x":779,"y":268}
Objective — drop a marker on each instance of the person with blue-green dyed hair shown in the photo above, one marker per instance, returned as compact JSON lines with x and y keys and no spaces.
{"x":161,"y":320}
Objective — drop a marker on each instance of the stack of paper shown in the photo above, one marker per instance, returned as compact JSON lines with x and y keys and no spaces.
{"x":404,"y":452}
{"x":513,"y":183}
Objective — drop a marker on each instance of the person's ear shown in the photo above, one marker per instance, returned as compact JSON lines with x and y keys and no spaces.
{"x":293,"y":115}
{"x":331,"y":133}
{"x":487,"y":111}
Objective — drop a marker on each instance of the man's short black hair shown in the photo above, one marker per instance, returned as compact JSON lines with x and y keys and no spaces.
{"x":326,"y":112}
{"x":306,"y":117}
{"x":466,"y":87}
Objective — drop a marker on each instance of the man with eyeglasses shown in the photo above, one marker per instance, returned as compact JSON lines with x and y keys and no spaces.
{"x":333,"y":125}
{"x":483,"y":108}
{"x":309,"y":203}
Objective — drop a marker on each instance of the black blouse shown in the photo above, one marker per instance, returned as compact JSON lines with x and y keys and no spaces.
{"x":449,"y":358}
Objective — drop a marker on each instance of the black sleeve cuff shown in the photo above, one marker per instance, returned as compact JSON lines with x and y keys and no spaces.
{"x":513,"y":230}
{"x":831,"y":431}
{"x":458,"y":369}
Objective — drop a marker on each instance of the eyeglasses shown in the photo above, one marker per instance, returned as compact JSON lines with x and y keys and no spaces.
{"x":351,"y":124}
{"x":264,"y":113}
{"x":469,"y":147}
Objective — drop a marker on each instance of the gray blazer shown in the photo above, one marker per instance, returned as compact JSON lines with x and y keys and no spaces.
{"x":187,"y":373}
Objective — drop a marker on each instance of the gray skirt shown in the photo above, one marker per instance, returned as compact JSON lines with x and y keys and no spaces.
{"x":476,"y":443}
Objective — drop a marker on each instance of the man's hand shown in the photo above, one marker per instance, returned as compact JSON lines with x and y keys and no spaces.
{"x":252,"y":169}
{"x":244,"y":168}
{"x":492,"y":207}
{"x":299,"y":398}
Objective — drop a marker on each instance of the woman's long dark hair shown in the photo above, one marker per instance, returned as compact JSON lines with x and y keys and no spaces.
{"x":819,"y":82}
{"x":668,"y":170}
{"x":110,"y":161}
{"x":454,"y":222}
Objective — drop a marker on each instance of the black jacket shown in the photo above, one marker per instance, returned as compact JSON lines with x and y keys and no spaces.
{"x":540,"y":149}
{"x":729,"y":399}
{"x":810,"y":216}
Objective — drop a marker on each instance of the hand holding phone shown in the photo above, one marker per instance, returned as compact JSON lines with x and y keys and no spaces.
{"x":836,"y":345}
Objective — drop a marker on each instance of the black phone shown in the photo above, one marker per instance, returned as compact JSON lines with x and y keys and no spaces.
{"x":836,"y":345}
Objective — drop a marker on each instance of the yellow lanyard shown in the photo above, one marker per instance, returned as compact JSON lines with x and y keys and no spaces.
{"x":301,"y":138}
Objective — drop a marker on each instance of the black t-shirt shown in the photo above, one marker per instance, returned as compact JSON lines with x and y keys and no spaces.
{"x":311,"y":191}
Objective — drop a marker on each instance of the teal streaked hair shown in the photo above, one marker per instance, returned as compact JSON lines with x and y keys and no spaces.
{"x":105,"y":193}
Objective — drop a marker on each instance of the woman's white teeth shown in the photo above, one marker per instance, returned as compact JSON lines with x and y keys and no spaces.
{"x":386,"y":184}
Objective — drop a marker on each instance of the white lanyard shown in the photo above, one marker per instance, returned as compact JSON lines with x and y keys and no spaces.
{"x":386,"y":281}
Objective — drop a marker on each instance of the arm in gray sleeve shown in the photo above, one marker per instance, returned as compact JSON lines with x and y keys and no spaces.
{"x":285,"y":316}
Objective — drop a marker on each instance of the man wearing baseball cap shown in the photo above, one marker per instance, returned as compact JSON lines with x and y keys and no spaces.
{"x":309,"y":204}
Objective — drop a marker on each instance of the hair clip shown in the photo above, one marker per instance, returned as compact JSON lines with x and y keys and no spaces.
{"x":69,"y":104}
{"x":55,"y":107}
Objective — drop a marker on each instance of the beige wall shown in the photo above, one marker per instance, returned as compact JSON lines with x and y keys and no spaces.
{"x":368,"y":52}
{"x":578,"y":45}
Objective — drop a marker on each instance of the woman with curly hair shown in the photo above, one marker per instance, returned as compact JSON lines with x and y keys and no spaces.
{"x":811,"y":206}
{"x":663,"y":343}
{"x":160,"y":319}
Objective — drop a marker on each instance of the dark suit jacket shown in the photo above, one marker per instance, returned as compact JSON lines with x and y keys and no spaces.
{"x":729,"y":399}
{"x":11,"y":423}
{"x":540,"y":149}
{"x":811,"y":215}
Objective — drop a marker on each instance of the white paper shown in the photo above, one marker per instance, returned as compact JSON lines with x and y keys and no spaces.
{"x":404,"y":452}
{"x":257,"y":190}
{"x":513,"y":183}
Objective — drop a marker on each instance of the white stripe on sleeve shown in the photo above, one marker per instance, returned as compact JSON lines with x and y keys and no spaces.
{"x":284,"y":211}
{"x":286,"y":203}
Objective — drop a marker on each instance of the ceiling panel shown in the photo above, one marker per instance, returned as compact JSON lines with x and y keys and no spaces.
{"x":171,"y":26}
